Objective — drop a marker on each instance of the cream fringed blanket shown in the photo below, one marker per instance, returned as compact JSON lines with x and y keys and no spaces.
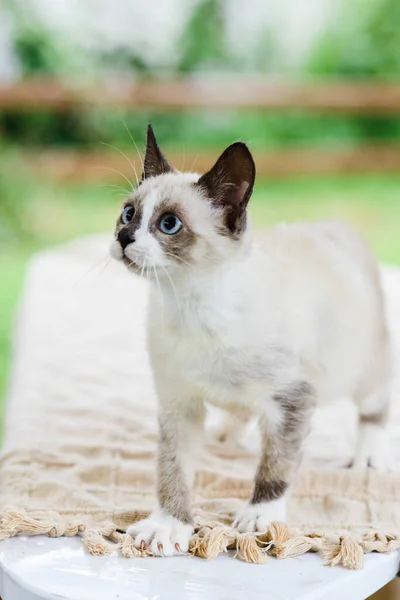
{"x":78,"y":454}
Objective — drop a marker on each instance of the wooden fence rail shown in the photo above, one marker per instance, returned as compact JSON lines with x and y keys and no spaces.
{"x":364,"y":97}
{"x":104,"y":165}
{"x":361,"y":97}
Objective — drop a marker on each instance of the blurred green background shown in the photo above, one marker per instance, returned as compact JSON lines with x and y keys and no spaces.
{"x":319,"y":40}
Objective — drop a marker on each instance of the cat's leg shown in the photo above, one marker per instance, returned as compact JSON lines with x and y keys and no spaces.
{"x":169,"y":528}
{"x":373,"y":444}
{"x":284,"y":426}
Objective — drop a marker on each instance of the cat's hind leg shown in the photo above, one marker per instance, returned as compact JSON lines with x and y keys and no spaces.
{"x":373,"y":443}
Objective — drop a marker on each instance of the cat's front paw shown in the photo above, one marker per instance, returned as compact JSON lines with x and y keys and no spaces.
{"x":163,"y":534}
{"x":257,"y":517}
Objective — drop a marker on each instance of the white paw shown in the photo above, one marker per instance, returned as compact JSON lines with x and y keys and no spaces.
{"x":373,"y":450}
{"x":165,"y":535}
{"x":379,"y":459}
{"x":257,"y":517}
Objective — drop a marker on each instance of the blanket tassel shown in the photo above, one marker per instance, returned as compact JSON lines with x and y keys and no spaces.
{"x":212,"y":539}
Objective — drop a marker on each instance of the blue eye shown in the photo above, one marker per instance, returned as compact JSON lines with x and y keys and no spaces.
{"x":127,"y":214}
{"x":170,"y":224}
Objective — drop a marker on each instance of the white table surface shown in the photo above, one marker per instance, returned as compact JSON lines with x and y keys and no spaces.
{"x":39,"y":567}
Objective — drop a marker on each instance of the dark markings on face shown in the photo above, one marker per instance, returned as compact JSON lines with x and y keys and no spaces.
{"x":281,"y":451}
{"x":178,"y":246}
{"x":126,"y":233}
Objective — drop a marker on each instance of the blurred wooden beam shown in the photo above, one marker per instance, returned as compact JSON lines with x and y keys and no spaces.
{"x":104,"y":165}
{"x":261,"y":93}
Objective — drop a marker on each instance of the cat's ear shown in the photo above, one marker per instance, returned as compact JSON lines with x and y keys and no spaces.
{"x":154,"y":162}
{"x":229,"y":184}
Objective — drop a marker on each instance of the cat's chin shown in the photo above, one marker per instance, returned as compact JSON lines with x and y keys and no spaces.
{"x":118,"y":254}
{"x":141,"y":271}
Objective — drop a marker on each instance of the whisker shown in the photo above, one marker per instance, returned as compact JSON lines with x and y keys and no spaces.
{"x":175,"y":293}
{"x":96,"y":264}
{"x":134,"y":143}
{"x":118,"y":172}
{"x":184,"y":157}
{"x":178,"y":258}
{"x":194,"y":162}
{"x":118,"y":194}
{"x":125,"y":156}
{"x":105,"y":265}
{"x":112,"y":185}
{"x":160,"y":290}
{"x":128,"y":266}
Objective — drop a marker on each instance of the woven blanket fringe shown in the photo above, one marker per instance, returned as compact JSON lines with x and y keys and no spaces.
{"x":212,"y":539}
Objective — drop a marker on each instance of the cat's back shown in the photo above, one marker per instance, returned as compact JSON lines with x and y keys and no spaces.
{"x":324,"y":252}
{"x":327,"y":266}
{"x":329,"y":274}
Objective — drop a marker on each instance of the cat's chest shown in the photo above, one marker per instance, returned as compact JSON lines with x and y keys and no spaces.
{"x":195,"y":331}
{"x":208,"y":347}
{"x":196,"y":349}
{"x":219,"y":368}
{"x":192,"y":352}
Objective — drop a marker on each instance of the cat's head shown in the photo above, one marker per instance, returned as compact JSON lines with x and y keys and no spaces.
{"x":185,"y":221}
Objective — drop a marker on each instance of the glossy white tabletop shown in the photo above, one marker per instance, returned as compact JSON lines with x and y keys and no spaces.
{"x":40,"y":567}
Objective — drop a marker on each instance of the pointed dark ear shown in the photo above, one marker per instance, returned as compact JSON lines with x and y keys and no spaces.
{"x":154,"y":162}
{"x":229,"y":185}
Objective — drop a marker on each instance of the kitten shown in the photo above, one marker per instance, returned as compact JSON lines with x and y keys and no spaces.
{"x":257,"y":332}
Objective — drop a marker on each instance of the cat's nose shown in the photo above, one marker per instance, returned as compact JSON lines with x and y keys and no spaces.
{"x":126,"y":237}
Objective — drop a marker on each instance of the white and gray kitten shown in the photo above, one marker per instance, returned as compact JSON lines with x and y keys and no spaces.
{"x":263,"y":333}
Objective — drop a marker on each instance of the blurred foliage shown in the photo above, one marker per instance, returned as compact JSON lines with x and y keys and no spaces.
{"x":35,"y":51}
{"x":125,"y":60}
{"x":202,"y":46}
{"x":35,"y":48}
{"x":362,"y":40}
{"x":45,"y":128}
{"x":42,"y":51}
{"x":205,"y":129}
{"x":15,"y":189}
{"x":216,"y":129}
